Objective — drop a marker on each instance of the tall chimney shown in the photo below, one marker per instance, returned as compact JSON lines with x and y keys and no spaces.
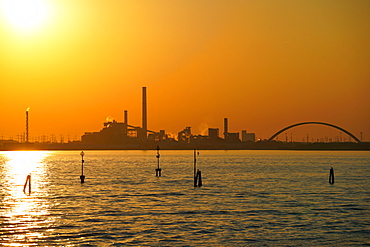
{"x":125,"y":117}
{"x":125,"y":123}
{"x":27,"y":124}
{"x":226,"y":127}
{"x":144,"y":125}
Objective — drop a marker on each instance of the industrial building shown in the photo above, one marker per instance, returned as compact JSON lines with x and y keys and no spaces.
{"x":122,"y":133}
{"x":115,"y":132}
{"x":248,"y":137}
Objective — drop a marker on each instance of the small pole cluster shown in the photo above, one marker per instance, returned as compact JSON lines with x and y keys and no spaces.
{"x":158,"y":171}
{"x":82,"y":177}
{"x":197,"y":173}
{"x":331,"y":176}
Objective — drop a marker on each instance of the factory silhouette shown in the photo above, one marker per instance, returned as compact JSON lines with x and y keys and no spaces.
{"x":123,"y":135}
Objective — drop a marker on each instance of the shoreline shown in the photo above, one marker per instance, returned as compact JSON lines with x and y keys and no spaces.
{"x":262,"y":145}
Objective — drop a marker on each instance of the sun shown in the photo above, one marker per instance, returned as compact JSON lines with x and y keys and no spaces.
{"x":25,"y":14}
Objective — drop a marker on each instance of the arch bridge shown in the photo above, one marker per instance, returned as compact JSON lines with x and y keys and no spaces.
{"x":303,"y":123}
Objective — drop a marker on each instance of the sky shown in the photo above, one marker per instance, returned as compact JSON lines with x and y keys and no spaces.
{"x":263,"y":64}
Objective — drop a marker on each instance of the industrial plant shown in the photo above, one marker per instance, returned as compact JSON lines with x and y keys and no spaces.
{"x":121,"y":134}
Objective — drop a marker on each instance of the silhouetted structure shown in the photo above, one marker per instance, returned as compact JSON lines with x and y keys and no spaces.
{"x":248,"y":137}
{"x":27,"y":124}
{"x":331,"y":176}
{"x":226,"y":128}
{"x":122,"y":135}
{"x":327,"y":124}
{"x":28,"y":182}
{"x":82,"y":177}
{"x":125,"y":122}
{"x":197,"y":172}
{"x":184,"y":135}
{"x":230,"y":137}
{"x":158,"y":171}
{"x":198,"y":179}
{"x":144,"y":116}
{"x":213,"y":134}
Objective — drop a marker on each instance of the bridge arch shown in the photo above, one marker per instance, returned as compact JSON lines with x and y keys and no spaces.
{"x":303,"y":123}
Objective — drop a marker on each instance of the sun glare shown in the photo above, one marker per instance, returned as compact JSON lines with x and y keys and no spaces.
{"x":21,"y":209}
{"x":25,"y":14}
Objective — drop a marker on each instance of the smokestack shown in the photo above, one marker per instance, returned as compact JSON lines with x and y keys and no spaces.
{"x":125,"y":117}
{"x":144,"y":125}
{"x":226,"y":127}
{"x":27,"y":124}
{"x":125,"y":123}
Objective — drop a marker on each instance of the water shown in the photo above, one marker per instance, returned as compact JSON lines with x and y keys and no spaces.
{"x":248,"y":198}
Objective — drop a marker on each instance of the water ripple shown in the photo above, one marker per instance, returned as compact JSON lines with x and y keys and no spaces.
{"x":249,"y":198}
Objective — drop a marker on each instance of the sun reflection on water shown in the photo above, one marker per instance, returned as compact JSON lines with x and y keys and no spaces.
{"x":21,"y":212}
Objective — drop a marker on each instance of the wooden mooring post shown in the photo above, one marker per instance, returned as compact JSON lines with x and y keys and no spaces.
{"x":158,"y":171}
{"x":197,"y":172}
{"x":82,"y":177}
{"x":331,"y":176}
{"x":28,"y":182}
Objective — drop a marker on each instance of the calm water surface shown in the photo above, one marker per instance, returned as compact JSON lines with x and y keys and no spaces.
{"x":248,"y":198}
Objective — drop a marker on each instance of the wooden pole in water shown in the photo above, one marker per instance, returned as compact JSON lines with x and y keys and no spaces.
{"x":82,"y":177}
{"x":331,"y":176}
{"x":197,"y":173}
{"x":199,"y":178}
{"x":28,"y":181}
{"x":195,"y":168}
{"x":158,"y":170}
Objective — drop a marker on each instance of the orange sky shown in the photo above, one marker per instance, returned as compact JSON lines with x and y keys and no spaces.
{"x":263,"y":64}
